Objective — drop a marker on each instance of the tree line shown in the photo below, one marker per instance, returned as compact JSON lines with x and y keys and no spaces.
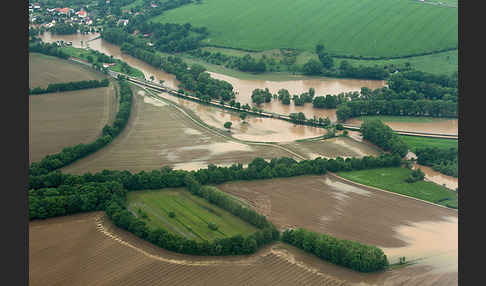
{"x":48,"y":49}
{"x":256,"y":170}
{"x":193,"y":78}
{"x":440,"y":159}
{"x":350,"y":254}
{"x":68,"y":86}
{"x":71,"y":154}
{"x":398,"y":107}
{"x":382,"y":135}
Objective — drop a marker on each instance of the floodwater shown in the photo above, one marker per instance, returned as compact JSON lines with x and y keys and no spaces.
{"x":438,"y":178}
{"x":244,"y":88}
{"x":437,"y":125}
{"x":322,"y":86}
{"x":253,"y":128}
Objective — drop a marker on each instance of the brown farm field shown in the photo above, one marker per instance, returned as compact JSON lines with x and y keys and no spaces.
{"x":86,"y":249}
{"x":44,"y":70}
{"x":401,"y":226}
{"x":334,"y":147}
{"x":158,"y":134}
{"x":58,"y":120}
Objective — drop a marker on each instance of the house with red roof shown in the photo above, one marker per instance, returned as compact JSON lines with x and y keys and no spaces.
{"x":64,"y":11}
{"x":82,"y":14}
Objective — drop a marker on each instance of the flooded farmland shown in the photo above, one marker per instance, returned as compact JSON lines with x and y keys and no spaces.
{"x":406,"y":230}
{"x":244,"y":87}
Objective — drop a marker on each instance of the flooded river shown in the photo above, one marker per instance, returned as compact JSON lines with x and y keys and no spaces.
{"x":244,"y":88}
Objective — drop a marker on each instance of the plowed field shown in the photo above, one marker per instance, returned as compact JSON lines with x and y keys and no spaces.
{"x":58,"y":120}
{"x":44,"y":70}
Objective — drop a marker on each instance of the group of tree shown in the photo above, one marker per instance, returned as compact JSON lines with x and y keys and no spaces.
{"x":325,"y":66}
{"x":383,"y":136}
{"x":68,"y":86}
{"x":397,"y":107}
{"x":64,"y":28}
{"x":71,"y":154}
{"x":48,"y":49}
{"x":260,"y":96}
{"x":415,"y":176}
{"x":442,"y":160}
{"x":350,"y":254}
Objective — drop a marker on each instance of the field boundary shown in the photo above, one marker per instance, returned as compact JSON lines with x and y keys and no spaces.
{"x":382,"y":190}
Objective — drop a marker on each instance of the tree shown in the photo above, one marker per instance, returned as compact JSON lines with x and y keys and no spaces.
{"x":312,"y":67}
{"x":243,"y":116}
{"x":227,"y":125}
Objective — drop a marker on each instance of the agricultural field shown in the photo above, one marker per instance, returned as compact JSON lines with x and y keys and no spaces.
{"x":414,"y":142}
{"x":80,"y":250}
{"x":158,"y":135}
{"x":393,"y":179}
{"x":385,"y":28}
{"x":44,"y":70}
{"x":58,"y":120}
{"x":192,"y":214}
{"x":334,"y":147}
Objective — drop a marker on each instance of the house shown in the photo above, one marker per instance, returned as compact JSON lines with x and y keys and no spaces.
{"x":105,"y":65}
{"x":63,"y":11}
{"x":153,"y":5}
{"x":36,"y":5}
{"x":82,"y":14}
{"x":150,"y":44}
{"x":146,"y":35}
{"x":122,"y":21}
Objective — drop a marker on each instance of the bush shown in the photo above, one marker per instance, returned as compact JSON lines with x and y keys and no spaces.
{"x":212,"y":226}
{"x":416,"y":175}
{"x":172,"y":214}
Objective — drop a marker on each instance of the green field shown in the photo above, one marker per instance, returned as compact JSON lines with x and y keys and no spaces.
{"x":386,"y":118}
{"x":415,"y":142}
{"x":380,"y":28}
{"x":192,"y":214}
{"x":393,"y":180}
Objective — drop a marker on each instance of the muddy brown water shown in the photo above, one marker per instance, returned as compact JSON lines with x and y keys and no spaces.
{"x":322,"y":86}
{"x":438,"y":178}
{"x":438,"y":125}
{"x":244,"y":87}
{"x":325,"y":204}
{"x":253,"y":128}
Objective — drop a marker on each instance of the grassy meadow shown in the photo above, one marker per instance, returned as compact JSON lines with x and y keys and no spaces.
{"x":378,"y":28}
{"x":192,"y":214}
{"x":415,"y":142}
{"x":393,"y":180}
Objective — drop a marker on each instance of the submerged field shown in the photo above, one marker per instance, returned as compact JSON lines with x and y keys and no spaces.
{"x":160,"y":135}
{"x":44,"y":70}
{"x":192,"y":214}
{"x":380,"y":28}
